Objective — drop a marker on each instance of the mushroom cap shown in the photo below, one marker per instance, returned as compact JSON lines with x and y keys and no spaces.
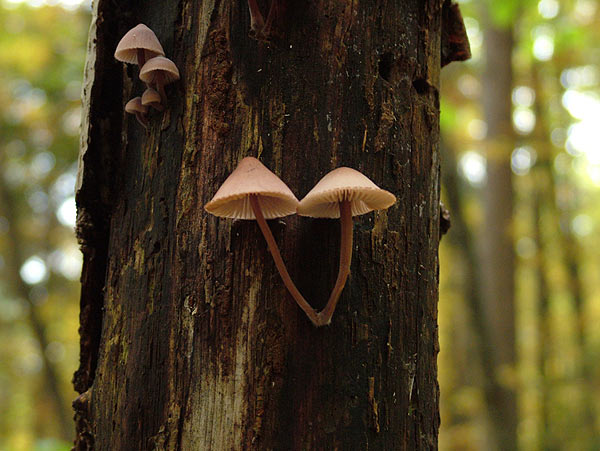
{"x":162,"y":65}
{"x":344,"y":184}
{"x":135,"y":106}
{"x":232,"y":200}
{"x":139,"y":37}
{"x":150,"y":96}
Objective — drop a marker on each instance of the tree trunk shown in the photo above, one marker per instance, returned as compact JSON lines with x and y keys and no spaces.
{"x":561,"y":215}
{"x":498,"y":260}
{"x":464,"y":241}
{"x":542,"y":313}
{"x":189,"y":338}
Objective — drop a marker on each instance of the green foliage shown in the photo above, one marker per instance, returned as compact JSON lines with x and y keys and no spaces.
{"x":504,"y":13}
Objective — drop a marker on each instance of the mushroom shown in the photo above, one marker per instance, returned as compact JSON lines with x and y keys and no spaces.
{"x":274,"y":17}
{"x":257,"y":22}
{"x":138,"y":45}
{"x":259,"y":29}
{"x":151,"y":97}
{"x":254,"y":192}
{"x":134,"y":106}
{"x":159,"y":71}
{"x":343,"y":193}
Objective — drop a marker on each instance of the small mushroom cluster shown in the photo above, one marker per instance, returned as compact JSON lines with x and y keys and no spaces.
{"x":141,"y":46}
{"x":252,"y":191}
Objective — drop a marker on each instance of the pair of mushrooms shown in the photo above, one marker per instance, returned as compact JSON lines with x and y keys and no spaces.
{"x":254,"y":192}
{"x":259,"y":29}
{"x":141,"y":46}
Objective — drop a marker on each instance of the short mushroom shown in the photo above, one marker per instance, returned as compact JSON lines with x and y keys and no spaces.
{"x":343,"y":193}
{"x":134,"y":106}
{"x":254,"y":192}
{"x":151,"y":97}
{"x":138,"y":45}
{"x":159,"y":71}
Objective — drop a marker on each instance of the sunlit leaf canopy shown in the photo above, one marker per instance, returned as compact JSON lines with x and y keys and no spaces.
{"x":558,"y":40}
{"x":42,"y":52}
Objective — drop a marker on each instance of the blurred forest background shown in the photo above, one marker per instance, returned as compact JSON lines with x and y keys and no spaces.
{"x":518,"y":366}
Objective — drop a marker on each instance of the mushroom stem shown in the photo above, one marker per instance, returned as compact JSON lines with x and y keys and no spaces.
{"x":142,"y":119}
{"x":141,"y":57}
{"x":273,"y":13}
{"x":345,"y":260}
{"x":160,"y":87}
{"x":157,"y":106}
{"x":287,"y":280}
{"x":257,"y":22}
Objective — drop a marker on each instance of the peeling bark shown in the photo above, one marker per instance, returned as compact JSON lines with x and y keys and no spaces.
{"x":201,"y":347}
{"x":445,"y":222}
{"x":455,"y":43}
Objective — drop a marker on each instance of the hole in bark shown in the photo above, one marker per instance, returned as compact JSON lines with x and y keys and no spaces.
{"x":385,"y":65}
{"x":421,"y":86}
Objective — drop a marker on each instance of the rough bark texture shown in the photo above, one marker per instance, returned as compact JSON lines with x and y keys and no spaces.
{"x":189,"y":339}
{"x":498,"y":259}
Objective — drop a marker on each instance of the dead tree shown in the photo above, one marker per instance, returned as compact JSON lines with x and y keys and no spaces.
{"x":189,"y":339}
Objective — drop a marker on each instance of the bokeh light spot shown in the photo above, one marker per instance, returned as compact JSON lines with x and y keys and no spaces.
{"x":67,"y":212}
{"x":523,"y":120}
{"x":522,"y":159}
{"x":33,"y":270}
{"x":548,"y":9}
{"x":472,"y":167}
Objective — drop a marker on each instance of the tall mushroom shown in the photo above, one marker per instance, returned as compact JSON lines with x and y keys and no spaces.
{"x":253,"y":192}
{"x":159,"y":71}
{"x":343,"y":193}
{"x":138,"y":45}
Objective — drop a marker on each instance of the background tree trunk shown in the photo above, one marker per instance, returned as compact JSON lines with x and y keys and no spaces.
{"x":189,"y":339}
{"x":15,"y":252}
{"x":558,"y":218}
{"x":498,"y":259}
{"x":465,"y":242}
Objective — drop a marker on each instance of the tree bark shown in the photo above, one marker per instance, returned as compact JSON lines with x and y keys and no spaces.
{"x":189,"y":338}
{"x":498,"y":260}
